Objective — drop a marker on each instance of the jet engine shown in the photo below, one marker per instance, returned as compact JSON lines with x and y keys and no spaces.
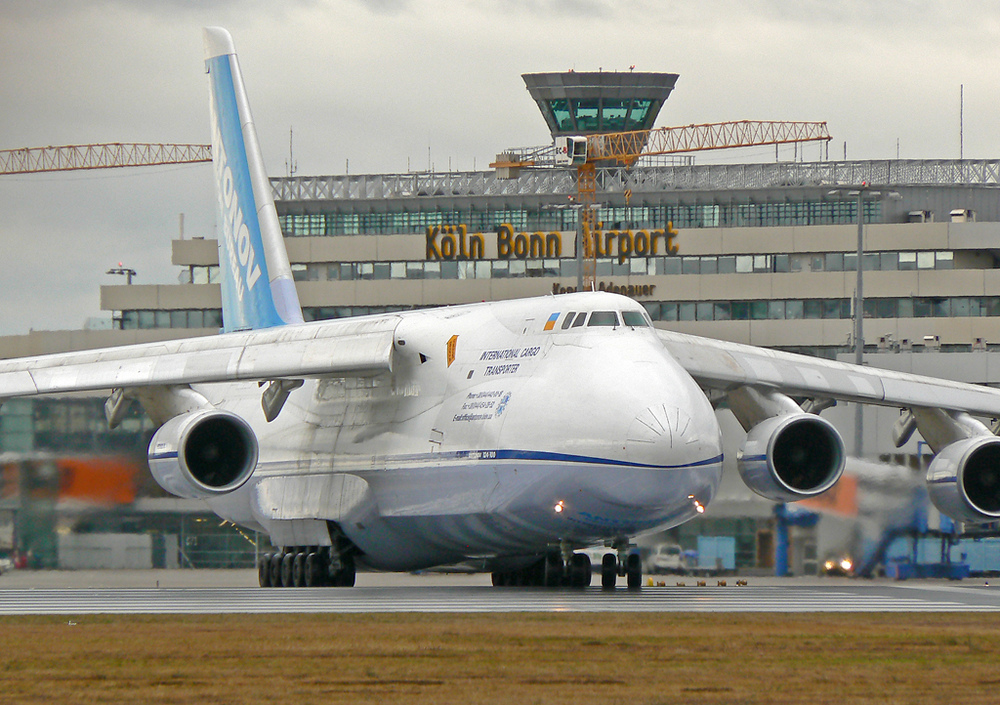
{"x":963,"y":480}
{"x":203,"y":453}
{"x":791,"y":457}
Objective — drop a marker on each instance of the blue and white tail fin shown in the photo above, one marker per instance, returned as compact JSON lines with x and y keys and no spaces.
{"x":257,"y":286}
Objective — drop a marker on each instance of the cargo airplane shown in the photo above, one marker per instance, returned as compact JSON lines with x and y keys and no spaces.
{"x":507,"y":435}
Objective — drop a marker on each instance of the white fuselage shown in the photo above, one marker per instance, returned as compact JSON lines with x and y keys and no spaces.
{"x":498,"y":434}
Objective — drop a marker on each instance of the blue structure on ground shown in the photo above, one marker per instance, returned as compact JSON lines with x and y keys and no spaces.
{"x":716,"y":554}
{"x":915,"y":551}
{"x":786,"y":517}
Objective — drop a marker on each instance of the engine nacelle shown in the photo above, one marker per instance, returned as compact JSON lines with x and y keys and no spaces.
{"x":203,"y":453}
{"x":963,"y":480}
{"x":791,"y":457}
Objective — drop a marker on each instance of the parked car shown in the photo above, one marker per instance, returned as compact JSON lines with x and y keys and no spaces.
{"x":666,"y":558}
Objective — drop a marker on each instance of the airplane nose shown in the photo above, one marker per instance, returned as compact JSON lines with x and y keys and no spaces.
{"x":683,"y":453}
{"x":660,"y":433}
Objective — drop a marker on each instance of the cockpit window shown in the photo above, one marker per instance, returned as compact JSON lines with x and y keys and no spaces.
{"x":603,"y":318}
{"x":568,"y":320}
{"x":580,"y":319}
{"x":634,"y":318}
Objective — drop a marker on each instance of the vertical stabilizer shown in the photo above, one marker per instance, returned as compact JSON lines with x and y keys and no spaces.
{"x":257,"y":286}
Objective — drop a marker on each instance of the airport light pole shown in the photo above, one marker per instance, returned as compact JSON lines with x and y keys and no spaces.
{"x":860,"y":192}
{"x":859,"y":318}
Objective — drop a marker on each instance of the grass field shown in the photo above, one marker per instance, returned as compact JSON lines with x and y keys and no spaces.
{"x":502,"y":658}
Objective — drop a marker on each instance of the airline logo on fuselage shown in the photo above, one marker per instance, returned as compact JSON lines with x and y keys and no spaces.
{"x":240,"y":249}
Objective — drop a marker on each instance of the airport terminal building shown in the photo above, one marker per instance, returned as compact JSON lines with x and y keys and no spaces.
{"x":759,"y":253}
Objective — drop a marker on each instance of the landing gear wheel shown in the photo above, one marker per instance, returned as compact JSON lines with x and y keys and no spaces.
{"x":609,"y":571}
{"x":346,"y":575}
{"x":633,"y":571}
{"x":315,"y":572}
{"x":553,"y":570}
{"x":499,"y":579}
{"x":299,"y":570}
{"x":534,"y":574}
{"x":275,"y":568}
{"x":579,"y":571}
{"x":286,"y":569}
{"x":264,"y":570}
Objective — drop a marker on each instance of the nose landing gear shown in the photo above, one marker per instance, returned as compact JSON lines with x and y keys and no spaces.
{"x":622,"y":563}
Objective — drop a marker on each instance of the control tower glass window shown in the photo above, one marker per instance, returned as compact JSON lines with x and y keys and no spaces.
{"x":613,"y":115}
{"x":561,"y":113}
{"x":588,"y":115}
{"x":638,"y":113}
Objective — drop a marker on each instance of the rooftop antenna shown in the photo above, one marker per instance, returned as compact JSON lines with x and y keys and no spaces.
{"x":126,"y":272}
{"x":290,"y":165}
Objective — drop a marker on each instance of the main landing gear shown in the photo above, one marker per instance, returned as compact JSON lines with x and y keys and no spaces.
{"x":306,"y":566}
{"x":554,"y":570}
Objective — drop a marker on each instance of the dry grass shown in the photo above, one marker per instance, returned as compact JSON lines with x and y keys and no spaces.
{"x":501,"y":658}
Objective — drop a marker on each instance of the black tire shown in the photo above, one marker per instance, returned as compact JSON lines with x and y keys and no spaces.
{"x":276,"y":569}
{"x":534,"y":574}
{"x":299,"y":570}
{"x":609,"y":571}
{"x":286,"y":569}
{"x":580,"y":571}
{"x":346,"y":575}
{"x":633,"y":571}
{"x":315,"y":570}
{"x":264,"y":570}
{"x":553,"y":571}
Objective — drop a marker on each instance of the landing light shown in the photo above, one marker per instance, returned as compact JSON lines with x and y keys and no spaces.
{"x":698,"y":506}
{"x":560,"y":505}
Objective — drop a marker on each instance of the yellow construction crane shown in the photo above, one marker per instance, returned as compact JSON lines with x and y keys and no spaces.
{"x":625,"y":148}
{"x":100,"y":156}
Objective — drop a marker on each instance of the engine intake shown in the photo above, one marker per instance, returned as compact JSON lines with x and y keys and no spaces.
{"x":791,"y":457}
{"x":963,"y":480}
{"x":203,"y":453}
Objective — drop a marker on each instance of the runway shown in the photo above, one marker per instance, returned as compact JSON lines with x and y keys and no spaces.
{"x":466,"y":594}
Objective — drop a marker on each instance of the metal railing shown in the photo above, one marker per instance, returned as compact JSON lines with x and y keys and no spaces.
{"x":714,"y":177}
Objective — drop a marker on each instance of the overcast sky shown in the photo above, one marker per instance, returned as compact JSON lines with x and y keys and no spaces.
{"x":387,"y":85}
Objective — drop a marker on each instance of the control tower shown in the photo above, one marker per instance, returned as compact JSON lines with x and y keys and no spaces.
{"x":581,"y":103}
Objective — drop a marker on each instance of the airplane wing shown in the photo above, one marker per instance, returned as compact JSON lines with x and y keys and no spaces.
{"x":355,"y":347}
{"x":724,"y":366}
